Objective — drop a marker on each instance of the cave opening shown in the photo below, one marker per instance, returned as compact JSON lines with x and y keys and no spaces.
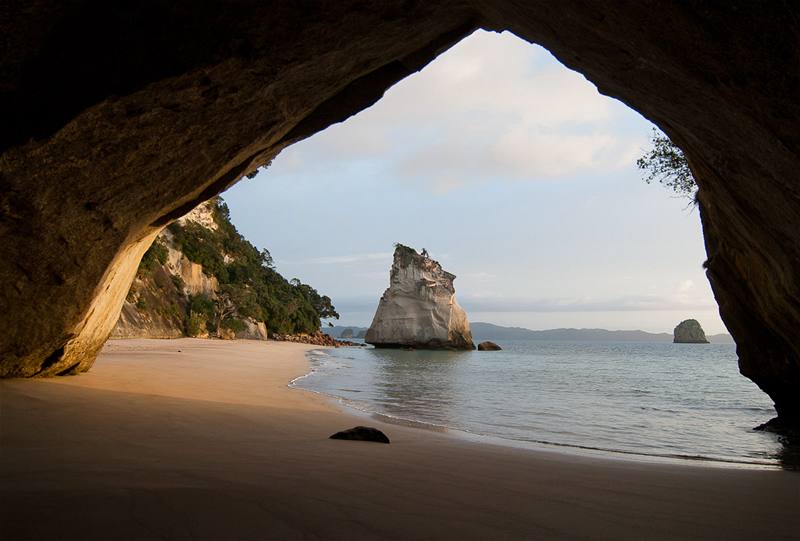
{"x":120,"y":117}
{"x":522,"y":176}
{"x":225,"y":101}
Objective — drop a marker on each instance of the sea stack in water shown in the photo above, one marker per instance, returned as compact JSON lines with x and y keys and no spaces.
{"x":689,"y":331}
{"x":488,"y":346}
{"x":419,"y":308}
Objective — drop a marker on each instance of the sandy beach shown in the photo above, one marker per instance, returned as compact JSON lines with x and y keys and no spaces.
{"x":202,"y":439}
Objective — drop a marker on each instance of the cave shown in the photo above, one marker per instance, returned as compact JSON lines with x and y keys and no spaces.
{"x":120,"y":117}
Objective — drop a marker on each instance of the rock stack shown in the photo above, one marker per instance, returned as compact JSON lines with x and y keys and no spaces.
{"x":419,"y":308}
{"x":689,"y":331}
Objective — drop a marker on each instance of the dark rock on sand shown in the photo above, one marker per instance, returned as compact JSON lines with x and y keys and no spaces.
{"x":361,"y":433}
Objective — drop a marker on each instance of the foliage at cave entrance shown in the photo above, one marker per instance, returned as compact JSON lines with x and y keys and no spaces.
{"x":666,"y":164}
{"x":249,"y":284}
{"x":154,"y":256}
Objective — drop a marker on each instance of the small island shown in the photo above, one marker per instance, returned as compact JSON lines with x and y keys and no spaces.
{"x":689,"y":331}
{"x":419,"y":309}
{"x":488,"y":346}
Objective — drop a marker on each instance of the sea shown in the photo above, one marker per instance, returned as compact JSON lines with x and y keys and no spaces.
{"x":660,"y":400}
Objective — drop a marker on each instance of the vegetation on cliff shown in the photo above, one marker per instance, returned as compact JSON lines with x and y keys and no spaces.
{"x":666,"y":164}
{"x":249,"y":287}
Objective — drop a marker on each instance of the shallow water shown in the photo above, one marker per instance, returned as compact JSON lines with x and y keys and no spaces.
{"x":662,"y":399}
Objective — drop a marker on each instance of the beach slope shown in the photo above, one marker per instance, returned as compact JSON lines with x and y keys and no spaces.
{"x":202,"y":439}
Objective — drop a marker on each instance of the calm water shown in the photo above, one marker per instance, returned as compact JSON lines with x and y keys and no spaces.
{"x":675,"y":400}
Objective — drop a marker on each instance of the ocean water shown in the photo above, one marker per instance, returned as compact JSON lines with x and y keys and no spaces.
{"x":685,"y":401}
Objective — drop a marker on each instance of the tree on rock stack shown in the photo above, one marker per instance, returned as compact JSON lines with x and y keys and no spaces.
{"x":419,"y":308}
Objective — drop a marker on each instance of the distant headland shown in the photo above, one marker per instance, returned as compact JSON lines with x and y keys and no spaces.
{"x":489,"y":331}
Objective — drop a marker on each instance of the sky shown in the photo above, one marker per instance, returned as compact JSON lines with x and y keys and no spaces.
{"x":514,"y":173}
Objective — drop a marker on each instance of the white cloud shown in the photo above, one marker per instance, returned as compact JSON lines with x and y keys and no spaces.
{"x":531,"y":153}
{"x":341,"y":259}
{"x":478,"y":276}
{"x":630,"y":303}
{"x":493,"y":302}
{"x":491,"y":108}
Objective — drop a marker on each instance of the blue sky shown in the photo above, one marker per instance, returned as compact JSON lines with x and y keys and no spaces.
{"x":514,"y":173}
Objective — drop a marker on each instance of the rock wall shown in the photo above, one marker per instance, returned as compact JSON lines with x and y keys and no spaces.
{"x":196,"y":282}
{"x":158,"y":302}
{"x":156,"y":309}
{"x":254,"y":330}
{"x":202,"y":215}
{"x":419,"y":309}
{"x":182,"y":99}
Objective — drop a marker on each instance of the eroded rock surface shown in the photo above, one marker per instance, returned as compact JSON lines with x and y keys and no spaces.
{"x":253,"y":330}
{"x":488,"y":346}
{"x":689,"y":331}
{"x":317,"y":339}
{"x":419,"y":309}
{"x":182,"y":99}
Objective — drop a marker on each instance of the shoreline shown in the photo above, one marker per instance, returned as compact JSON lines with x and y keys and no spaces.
{"x":188,"y":439}
{"x":351,"y":407}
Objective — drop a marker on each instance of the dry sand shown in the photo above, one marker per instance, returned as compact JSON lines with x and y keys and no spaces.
{"x":198,"y":439}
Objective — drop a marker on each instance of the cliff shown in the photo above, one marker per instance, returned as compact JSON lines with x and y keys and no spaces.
{"x":201,"y":278}
{"x":419,"y":308}
{"x":689,"y":331}
{"x":166,"y":294}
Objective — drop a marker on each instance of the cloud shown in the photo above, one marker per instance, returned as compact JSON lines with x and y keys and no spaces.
{"x":633,"y":303}
{"x":478,"y":276}
{"x":529,"y":153}
{"x":685,"y":286}
{"x":493,"y":107}
{"x":341,"y":259}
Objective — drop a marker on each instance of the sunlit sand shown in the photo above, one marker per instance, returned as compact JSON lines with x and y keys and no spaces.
{"x":202,"y":439}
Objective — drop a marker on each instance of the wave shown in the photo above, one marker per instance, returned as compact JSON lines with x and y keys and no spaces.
{"x":608,"y":448}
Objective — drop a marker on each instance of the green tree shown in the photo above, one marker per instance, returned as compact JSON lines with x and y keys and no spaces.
{"x":154,"y":256}
{"x":666,"y":164}
{"x":249,"y":284}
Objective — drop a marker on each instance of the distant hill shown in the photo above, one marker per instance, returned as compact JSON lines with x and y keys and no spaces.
{"x":488,"y":331}
{"x":337,"y":330}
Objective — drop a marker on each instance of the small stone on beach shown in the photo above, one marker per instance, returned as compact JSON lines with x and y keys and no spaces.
{"x":361,"y":433}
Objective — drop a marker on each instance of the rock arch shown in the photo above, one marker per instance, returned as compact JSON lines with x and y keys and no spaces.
{"x":118,"y":117}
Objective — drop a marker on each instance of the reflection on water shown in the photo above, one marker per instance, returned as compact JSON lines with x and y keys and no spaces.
{"x":656,"y":399}
{"x":789,"y":438}
{"x":407,"y":379}
{"x":789,"y":454}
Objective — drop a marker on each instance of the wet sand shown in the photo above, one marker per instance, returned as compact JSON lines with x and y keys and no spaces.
{"x":202,"y":439}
